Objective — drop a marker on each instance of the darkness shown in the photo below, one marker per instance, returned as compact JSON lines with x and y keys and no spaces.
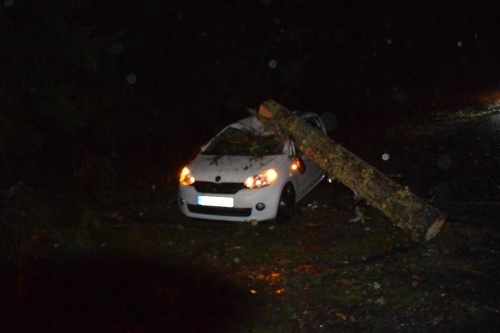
{"x":103,"y":101}
{"x":143,"y":83}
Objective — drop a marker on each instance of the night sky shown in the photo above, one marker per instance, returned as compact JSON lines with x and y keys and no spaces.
{"x":139,"y":75}
{"x":304,"y":52}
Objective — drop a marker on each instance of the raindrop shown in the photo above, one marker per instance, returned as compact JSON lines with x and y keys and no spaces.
{"x":233,"y":103}
{"x":152,"y":6}
{"x":459,"y":43}
{"x":273,"y":63}
{"x":445,"y":161}
{"x":8,"y":3}
{"x":131,"y":78}
{"x":475,"y":36}
{"x":277,"y":20}
{"x":389,"y":41}
{"x":386,"y":156}
{"x":266,"y":2}
{"x":441,"y":190}
{"x":180,"y":16}
{"x":390,"y":132}
{"x":117,"y":48}
{"x":398,"y":95}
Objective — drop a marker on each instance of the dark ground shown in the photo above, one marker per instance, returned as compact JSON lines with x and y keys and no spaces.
{"x":137,"y":265}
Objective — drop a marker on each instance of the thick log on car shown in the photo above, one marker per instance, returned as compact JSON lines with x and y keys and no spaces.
{"x":405,"y":209}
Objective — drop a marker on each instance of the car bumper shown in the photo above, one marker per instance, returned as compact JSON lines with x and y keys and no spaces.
{"x":255,"y":204}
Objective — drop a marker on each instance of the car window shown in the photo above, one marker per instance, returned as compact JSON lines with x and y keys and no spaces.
{"x":314,"y":123}
{"x":240,"y":141}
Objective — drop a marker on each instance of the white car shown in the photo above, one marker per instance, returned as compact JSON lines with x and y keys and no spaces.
{"x":246,"y":174}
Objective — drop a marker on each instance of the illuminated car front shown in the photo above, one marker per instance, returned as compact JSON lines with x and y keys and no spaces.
{"x":241,"y":175}
{"x":237,"y":188}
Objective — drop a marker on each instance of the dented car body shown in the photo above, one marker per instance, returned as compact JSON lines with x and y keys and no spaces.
{"x":247,"y":174}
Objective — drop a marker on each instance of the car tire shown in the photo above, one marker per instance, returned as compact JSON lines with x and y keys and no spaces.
{"x":285,"y":204}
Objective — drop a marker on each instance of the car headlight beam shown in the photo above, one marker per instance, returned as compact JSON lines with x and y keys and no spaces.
{"x":262,"y":179}
{"x":186,"y":177}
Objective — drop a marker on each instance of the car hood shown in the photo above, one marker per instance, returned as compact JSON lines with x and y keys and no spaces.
{"x":231,"y":169}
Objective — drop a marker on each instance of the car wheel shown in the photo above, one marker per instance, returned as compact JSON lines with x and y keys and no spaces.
{"x":287,"y":200}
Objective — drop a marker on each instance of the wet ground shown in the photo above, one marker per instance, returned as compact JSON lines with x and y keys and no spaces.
{"x":142,"y":267}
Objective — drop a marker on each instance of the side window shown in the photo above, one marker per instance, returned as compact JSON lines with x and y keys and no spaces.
{"x":313,"y":123}
{"x":290,"y":148}
{"x":294,"y":149}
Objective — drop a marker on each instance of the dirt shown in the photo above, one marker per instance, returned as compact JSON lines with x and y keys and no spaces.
{"x":140,"y":266}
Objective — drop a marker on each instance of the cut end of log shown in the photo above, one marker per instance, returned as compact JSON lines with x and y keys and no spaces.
{"x":265,"y":112}
{"x":435,"y":228}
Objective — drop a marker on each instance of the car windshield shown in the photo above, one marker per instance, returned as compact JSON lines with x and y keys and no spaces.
{"x":240,"y":141}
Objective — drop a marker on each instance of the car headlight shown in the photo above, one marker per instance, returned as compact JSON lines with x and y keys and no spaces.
{"x":186,"y":177}
{"x":262,"y":179}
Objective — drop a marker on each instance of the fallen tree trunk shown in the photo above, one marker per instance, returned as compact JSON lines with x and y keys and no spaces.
{"x":405,"y":209}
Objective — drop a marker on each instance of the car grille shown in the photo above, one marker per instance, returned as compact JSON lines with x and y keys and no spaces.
{"x":221,"y":188}
{"x":225,"y":211}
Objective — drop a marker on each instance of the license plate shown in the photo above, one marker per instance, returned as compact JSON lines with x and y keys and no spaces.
{"x":205,"y":200}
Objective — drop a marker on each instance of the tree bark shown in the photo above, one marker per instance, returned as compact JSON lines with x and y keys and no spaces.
{"x":398,"y":203}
